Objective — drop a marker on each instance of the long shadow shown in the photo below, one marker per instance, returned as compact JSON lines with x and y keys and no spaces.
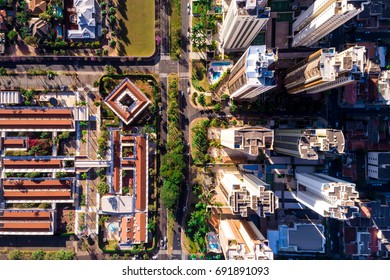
{"x":122,"y":8}
{"x":123,"y":32}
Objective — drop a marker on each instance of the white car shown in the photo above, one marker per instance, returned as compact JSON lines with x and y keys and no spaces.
{"x":188,"y":90}
{"x":188,"y":8}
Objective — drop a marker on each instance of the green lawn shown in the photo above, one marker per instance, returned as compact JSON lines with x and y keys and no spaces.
{"x":135,"y":28}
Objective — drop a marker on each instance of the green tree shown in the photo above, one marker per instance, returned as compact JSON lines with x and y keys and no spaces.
{"x":31,"y":41}
{"x":217,"y":108}
{"x":38,"y":255}
{"x":3,"y":71}
{"x":169,"y":194}
{"x":202,"y":100}
{"x":15,"y":255}
{"x":104,"y":31}
{"x":103,"y":188}
{"x":12,"y":35}
{"x":233,"y":107}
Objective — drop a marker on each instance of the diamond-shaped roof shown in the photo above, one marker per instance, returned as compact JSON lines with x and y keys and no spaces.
{"x":127,"y":91}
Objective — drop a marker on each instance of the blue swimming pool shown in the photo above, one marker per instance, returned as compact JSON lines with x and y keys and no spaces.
{"x":251,"y":167}
{"x":221,"y":63}
{"x":216,"y":76}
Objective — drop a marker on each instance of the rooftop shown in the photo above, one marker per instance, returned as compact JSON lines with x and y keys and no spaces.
{"x":127,"y":101}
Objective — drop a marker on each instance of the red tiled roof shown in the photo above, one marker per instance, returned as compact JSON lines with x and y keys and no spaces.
{"x":117,"y":147}
{"x":32,"y":164}
{"x":350,"y":234}
{"x":140,"y":231}
{"x":127,"y":229}
{"x":24,"y":215}
{"x":350,"y":249}
{"x":141,"y":165}
{"x":35,"y":124}
{"x":113,"y":102}
{"x":26,"y":227}
{"x":40,"y":113}
{"x":36,"y":184}
{"x":36,"y":195}
{"x":14,"y":143}
{"x":127,"y":138}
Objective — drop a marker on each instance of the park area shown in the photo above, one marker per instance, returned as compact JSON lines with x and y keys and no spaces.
{"x":135,"y":27}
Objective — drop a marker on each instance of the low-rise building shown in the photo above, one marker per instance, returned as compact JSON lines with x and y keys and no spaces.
{"x":303,"y":238}
{"x":378,"y":165}
{"x":85,"y":20}
{"x":384,"y":87}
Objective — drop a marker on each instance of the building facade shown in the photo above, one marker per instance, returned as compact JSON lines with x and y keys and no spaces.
{"x":308,"y":143}
{"x":321,"y":18}
{"x":243,"y":191}
{"x":327,"y":196}
{"x":326,"y":69}
{"x":249,"y":140}
{"x":243,"y":21}
{"x":251,"y":75}
{"x":241,"y":240}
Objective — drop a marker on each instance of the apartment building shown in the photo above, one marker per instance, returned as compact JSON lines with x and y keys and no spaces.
{"x":326,"y":69}
{"x":327,"y":196}
{"x":251,"y":76}
{"x":309,"y":144}
{"x":378,"y":165}
{"x":249,"y":140}
{"x":321,"y":18}
{"x":241,"y":240}
{"x":246,"y":191}
{"x":243,"y":21}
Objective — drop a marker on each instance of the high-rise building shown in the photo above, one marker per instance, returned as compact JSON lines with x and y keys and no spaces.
{"x":327,"y":196}
{"x":321,"y":18}
{"x":243,"y":21}
{"x":241,"y":240}
{"x":326,"y":69}
{"x":247,"y":139}
{"x":251,"y":75}
{"x":378,"y":165}
{"x":243,"y":191}
{"x":308,"y":143}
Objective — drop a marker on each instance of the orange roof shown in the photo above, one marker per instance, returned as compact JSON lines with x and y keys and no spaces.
{"x":140,"y":231}
{"x":127,"y":89}
{"x":141,"y":164}
{"x":127,"y":138}
{"x":127,"y":229}
{"x":36,"y":184}
{"x":25,"y":215}
{"x":15,"y":142}
{"x":36,"y":113}
{"x":34,"y":124}
{"x":117,"y":151}
{"x":33,"y":163}
{"x":27,"y":227}
{"x":36,"y":195}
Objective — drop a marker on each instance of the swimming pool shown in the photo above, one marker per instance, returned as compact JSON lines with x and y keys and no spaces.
{"x":216,"y":76}
{"x":251,"y":167}
{"x":221,"y":63}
